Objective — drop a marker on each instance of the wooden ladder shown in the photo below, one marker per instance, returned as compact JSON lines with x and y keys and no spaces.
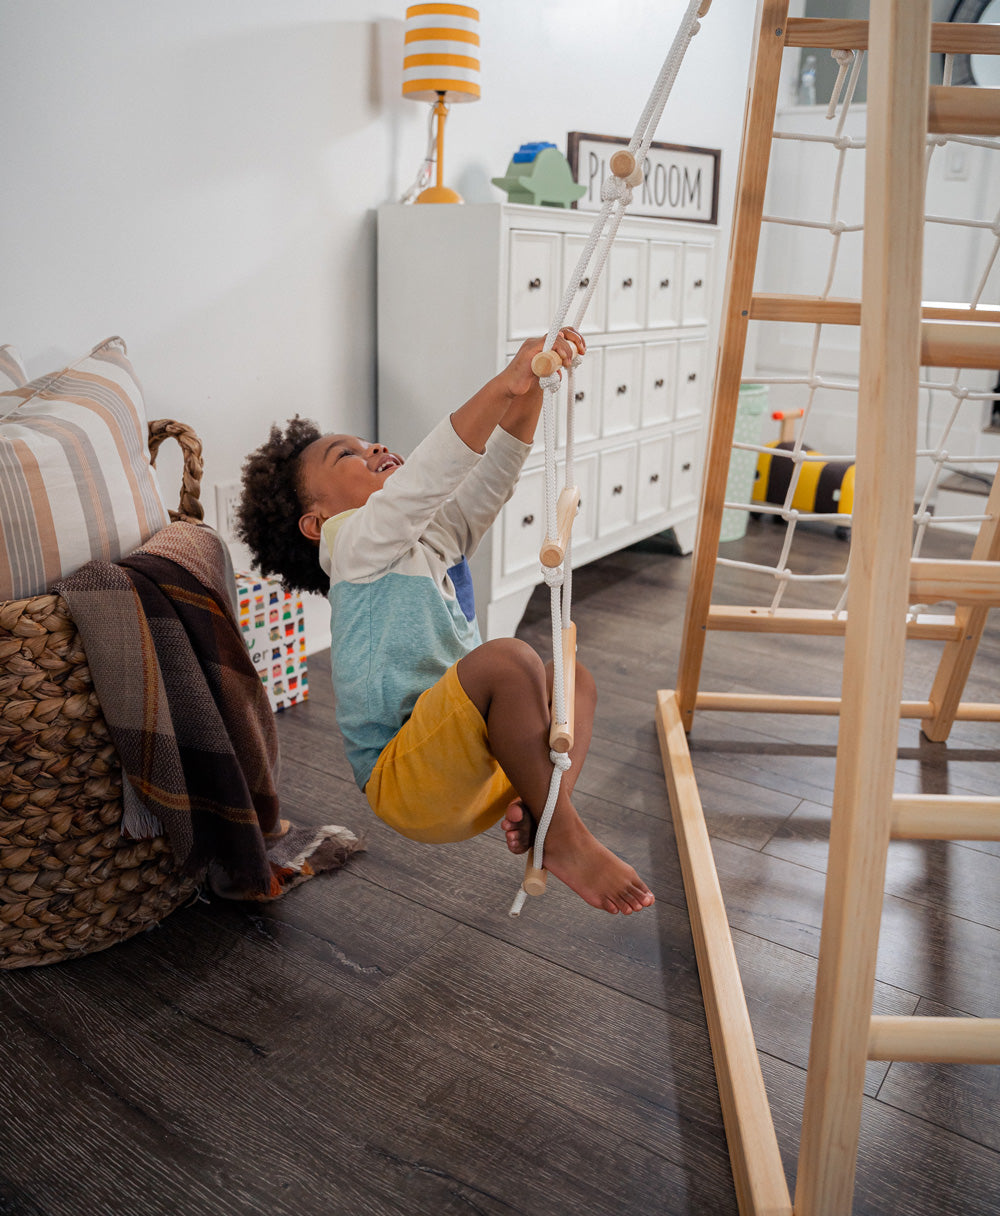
{"x":898,"y":335}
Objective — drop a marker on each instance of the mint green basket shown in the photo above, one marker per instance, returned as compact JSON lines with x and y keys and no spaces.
{"x":743,"y":465}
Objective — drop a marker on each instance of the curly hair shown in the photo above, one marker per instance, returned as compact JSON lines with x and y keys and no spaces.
{"x":270,"y":506}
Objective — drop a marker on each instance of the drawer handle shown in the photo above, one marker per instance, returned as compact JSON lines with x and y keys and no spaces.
{"x":654,"y":478}
{"x":622,"y":388}
{"x":617,"y":489}
{"x":527,"y":521}
{"x":626,"y":282}
{"x":534,"y":284}
{"x":698,"y":282}
{"x":664,"y":283}
{"x":585,"y":283}
{"x":692,"y":376}
{"x":686,"y":466}
{"x":658,"y":383}
{"x":579,"y":396}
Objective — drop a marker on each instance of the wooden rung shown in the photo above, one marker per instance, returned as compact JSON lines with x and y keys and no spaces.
{"x":561,"y":733}
{"x":839,"y":310}
{"x":963,"y":111}
{"x":962,"y":582}
{"x":774,"y":703}
{"x":731,"y":619}
{"x":935,"y":1040}
{"x":959,"y":344}
{"x":836,"y":34}
{"x":553,"y":551}
{"x":935,"y":817}
{"x":535,"y":878}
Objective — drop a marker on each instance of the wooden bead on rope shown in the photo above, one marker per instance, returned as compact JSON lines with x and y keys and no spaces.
{"x":534,"y":878}
{"x":546,"y":363}
{"x":622,"y":163}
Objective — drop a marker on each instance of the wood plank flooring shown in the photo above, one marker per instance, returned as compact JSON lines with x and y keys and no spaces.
{"x":387,"y":1040}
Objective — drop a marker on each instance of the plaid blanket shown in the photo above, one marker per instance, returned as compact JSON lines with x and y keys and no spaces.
{"x":189,"y":717}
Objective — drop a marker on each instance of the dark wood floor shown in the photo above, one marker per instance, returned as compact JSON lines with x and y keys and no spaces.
{"x":386,"y":1040}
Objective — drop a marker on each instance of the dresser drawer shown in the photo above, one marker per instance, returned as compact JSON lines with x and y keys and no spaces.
{"x":594,"y":320}
{"x":695,"y":300}
{"x":616,"y":504}
{"x":524,"y":523}
{"x":659,"y":382}
{"x":652,"y":495}
{"x":685,"y":467}
{"x":534,"y":286}
{"x":587,"y":399}
{"x":666,"y":262}
{"x":622,"y":389}
{"x":625,"y":273}
{"x":691,"y":384}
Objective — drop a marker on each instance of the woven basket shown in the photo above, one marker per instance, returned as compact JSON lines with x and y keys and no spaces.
{"x":69,"y":884}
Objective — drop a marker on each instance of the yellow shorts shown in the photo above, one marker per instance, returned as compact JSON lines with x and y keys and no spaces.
{"x":437,"y":780}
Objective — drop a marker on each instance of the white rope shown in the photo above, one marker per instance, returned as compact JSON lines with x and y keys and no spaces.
{"x":616,"y":195}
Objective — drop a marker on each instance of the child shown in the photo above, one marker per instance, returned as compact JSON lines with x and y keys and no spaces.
{"x":447,"y":735}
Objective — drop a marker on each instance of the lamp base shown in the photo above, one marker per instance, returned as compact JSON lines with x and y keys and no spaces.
{"x":438,"y":194}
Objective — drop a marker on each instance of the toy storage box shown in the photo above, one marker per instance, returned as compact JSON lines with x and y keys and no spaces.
{"x":273,"y":625}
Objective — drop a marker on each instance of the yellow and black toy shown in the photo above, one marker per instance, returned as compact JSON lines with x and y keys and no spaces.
{"x":824,"y":487}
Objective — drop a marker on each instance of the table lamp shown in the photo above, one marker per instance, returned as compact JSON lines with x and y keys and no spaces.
{"x":440,"y":65}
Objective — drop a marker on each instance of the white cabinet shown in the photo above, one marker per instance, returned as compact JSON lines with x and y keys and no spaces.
{"x":460,"y":287}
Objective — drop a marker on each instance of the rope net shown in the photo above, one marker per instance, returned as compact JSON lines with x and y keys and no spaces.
{"x":804,"y":390}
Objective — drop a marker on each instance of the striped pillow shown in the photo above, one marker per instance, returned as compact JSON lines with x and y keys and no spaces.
{"x":75,"y":478}
{"x":12,"y":373}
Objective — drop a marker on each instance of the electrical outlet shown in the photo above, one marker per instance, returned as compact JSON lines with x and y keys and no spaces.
{"x":227,"y":500}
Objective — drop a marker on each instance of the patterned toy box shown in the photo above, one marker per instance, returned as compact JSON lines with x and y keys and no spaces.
{"x":274,"y":629}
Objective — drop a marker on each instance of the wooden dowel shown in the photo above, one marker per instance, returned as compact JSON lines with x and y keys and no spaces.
{"x":963,"y":111}
{"x":837,"y":34}
{"x":935,"y":1040}
{"x":561,"y":733}
{"x":838,"y":310}
{"x":959,"y":343}
{"x":534,"y":879}
{"x":774,"y":703}
{"x":553,"y":551}
{"x":545,"y":363}
{"x":963,"y":582}
{"x":934,"y":817}
{"x":729,"y":618}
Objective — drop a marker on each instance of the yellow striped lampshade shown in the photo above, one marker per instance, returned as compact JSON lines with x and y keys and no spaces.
{"x":442,"y":52}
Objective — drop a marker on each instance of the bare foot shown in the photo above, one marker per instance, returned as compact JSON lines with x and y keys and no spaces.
{"x":518,"y":825}
{"x":600,"y":878}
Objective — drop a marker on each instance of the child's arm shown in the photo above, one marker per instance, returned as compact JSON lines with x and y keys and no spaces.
{"x":513,"y":398}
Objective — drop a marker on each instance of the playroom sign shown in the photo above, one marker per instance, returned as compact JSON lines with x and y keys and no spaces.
{"x":679,"y":183}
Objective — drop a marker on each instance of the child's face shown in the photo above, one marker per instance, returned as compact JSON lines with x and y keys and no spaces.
{"x":338,"y":472}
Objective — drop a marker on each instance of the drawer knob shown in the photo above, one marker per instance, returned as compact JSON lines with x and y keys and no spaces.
{"x":664,"y":283}
{"x":686,"y":466}
{"x":622,"y":388}
{"x":692,"y":376}
{"x":617,"y":489}
{"x":585,"y":283}
{"x":534,"y":284}
{"x":698,"y":282}
{"x":527,"y":521}
{"x":579,"y":396}
{"x":658,"y":383}
{"x":626,"y":282}
{"x":654,"y":478}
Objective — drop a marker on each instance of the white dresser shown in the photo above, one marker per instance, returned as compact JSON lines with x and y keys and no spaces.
{"x":459,"y":289}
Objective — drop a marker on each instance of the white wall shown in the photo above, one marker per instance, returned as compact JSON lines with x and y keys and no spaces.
{"x":201,"y":178}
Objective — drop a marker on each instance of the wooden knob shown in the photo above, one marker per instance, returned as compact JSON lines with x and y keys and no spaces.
{"x":534,"y":878}
{"x":622,"y":163}
{"x":545,"y":363}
